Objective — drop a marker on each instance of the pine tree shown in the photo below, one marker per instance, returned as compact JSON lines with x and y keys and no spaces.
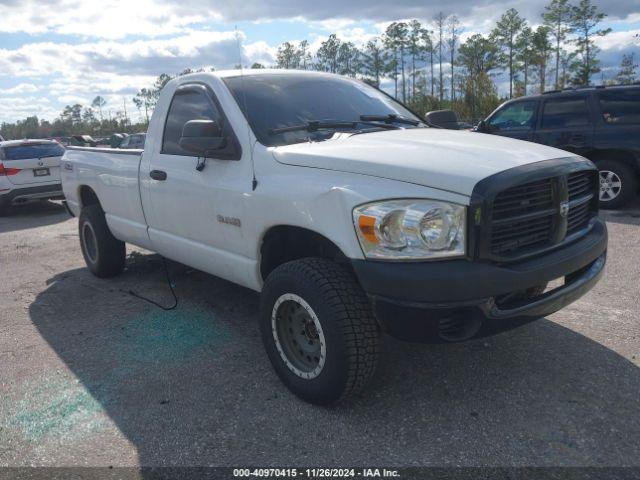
{"x":542,"y":50}
{"x":440,"y":26}
{"x":585,"y":18}
{"x":558,"y":18}
{"x":395,"y":39}
{"x":429,"y":51}
{"x":452,"y":41}
{"x":98,"y":103}
{"x":628,"y":67}
{"x":303,"y":55}
{"x":415,"y":50}
{"x":327,"y":54}
{"x":348,"y":59}
{"x":525,"y":54}
{"x":505,"y":34}
{"x":478,"y":55}
{"x":286,"y":56}
{"x":375,"y":61}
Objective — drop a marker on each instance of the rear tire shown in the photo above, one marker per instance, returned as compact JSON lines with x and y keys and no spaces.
{"x":103,"y":253}
{"x":618,"y":184}
{"x":337,"y":335}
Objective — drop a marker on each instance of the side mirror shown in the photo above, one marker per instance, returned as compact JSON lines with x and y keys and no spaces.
{"x":202,"y":137}
{"x":443,"y":119}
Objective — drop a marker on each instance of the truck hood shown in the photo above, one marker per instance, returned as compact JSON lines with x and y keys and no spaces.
{"x":442,"y":159}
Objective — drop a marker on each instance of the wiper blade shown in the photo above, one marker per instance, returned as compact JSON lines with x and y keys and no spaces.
{"x":312,"y":126}
{"x":391,"y":118}
{"x":315,"y":125}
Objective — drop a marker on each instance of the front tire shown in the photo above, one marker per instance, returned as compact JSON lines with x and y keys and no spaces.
{"x":319,"y":330}
{"x":618,"y":184}
{"x":103,"y":253}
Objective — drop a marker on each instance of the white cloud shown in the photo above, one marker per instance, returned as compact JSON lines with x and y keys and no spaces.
{"x":332,"y":24}
{"x":618,"y":40}
{"x":337,"y":11}
{"x":116,"y":69}
{"x":358,"y":36}
{"x":113,"y":19}
{"x":14,"y":107}
{"x":21,"y":88}
{"x":260,"y":52}
{"x":142,"y":57}
{"x":632,"y":18}
{"x":104,"y":19}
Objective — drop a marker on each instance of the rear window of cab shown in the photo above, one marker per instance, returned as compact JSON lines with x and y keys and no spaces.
{"x":24,"y":152}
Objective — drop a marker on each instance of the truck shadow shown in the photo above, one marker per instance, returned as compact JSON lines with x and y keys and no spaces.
{"x":32,"y":215}
{"x":193,"y":386}
{"x":629,"y":215}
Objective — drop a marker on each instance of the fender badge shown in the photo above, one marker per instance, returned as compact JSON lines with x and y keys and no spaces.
{"x":229,"y":220}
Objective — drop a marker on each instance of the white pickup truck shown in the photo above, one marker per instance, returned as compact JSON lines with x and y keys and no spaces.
{"x":347,"y":212}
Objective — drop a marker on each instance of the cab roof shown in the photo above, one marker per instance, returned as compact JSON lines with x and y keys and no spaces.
{"x":258,"y":71}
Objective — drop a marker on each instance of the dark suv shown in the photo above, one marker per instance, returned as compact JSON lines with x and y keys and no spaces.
{"x":599,"y":123}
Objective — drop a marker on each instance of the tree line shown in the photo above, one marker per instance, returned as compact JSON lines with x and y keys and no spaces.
{"x":431,"y":67}
{"x":427,"y":64}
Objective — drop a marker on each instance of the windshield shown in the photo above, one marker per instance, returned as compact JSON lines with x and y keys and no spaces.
{"x":273,"y":101}
{"x":24,"y":152}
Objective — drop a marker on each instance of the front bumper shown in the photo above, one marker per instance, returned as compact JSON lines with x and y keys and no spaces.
{"x":21,"y":194}
{"x":458,"y":299}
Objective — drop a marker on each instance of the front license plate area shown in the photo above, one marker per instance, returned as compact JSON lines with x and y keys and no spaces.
{"x":41,"y":172}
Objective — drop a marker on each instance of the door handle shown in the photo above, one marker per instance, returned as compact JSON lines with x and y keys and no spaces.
{"x":158,"y":175}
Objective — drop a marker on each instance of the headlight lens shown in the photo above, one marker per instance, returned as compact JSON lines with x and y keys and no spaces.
{"x":411,"y":229}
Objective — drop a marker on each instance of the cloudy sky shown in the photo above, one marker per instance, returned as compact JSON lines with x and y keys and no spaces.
{"x":59,"y":52}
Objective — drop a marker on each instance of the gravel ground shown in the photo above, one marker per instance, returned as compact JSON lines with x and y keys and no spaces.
{"x":90,"y":375}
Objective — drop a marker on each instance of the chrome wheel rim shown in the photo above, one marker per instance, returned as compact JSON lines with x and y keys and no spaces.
{"x":610,"y":185}
{"x":89,"y":242}
{"x":298,"y":336}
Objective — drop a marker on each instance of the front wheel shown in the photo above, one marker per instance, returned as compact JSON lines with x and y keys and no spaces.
{"x":103,"y":253}
{"x":618,"y":184}
{"x":319,"y":330}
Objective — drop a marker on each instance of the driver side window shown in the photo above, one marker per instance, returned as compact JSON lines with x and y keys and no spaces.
{"x":189,"y":104}
{"x":519,"y":116}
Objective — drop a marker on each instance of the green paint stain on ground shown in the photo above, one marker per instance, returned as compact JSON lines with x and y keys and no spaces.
{"x":168,"y":336}
{"x":155,"y":340}
{"x":56,"y":408}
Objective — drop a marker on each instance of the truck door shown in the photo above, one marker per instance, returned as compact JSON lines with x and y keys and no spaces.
{"x":566,"y":123}
{"x":186,"y":204}
{"x":514,"y":120}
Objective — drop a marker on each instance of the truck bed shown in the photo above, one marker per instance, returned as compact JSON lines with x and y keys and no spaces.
{"x":113,"y":174}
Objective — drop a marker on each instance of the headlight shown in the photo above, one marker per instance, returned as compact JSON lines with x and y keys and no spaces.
{"x":411,"y":229}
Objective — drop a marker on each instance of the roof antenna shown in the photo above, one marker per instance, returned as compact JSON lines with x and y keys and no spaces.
{"x":254,"y":182}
